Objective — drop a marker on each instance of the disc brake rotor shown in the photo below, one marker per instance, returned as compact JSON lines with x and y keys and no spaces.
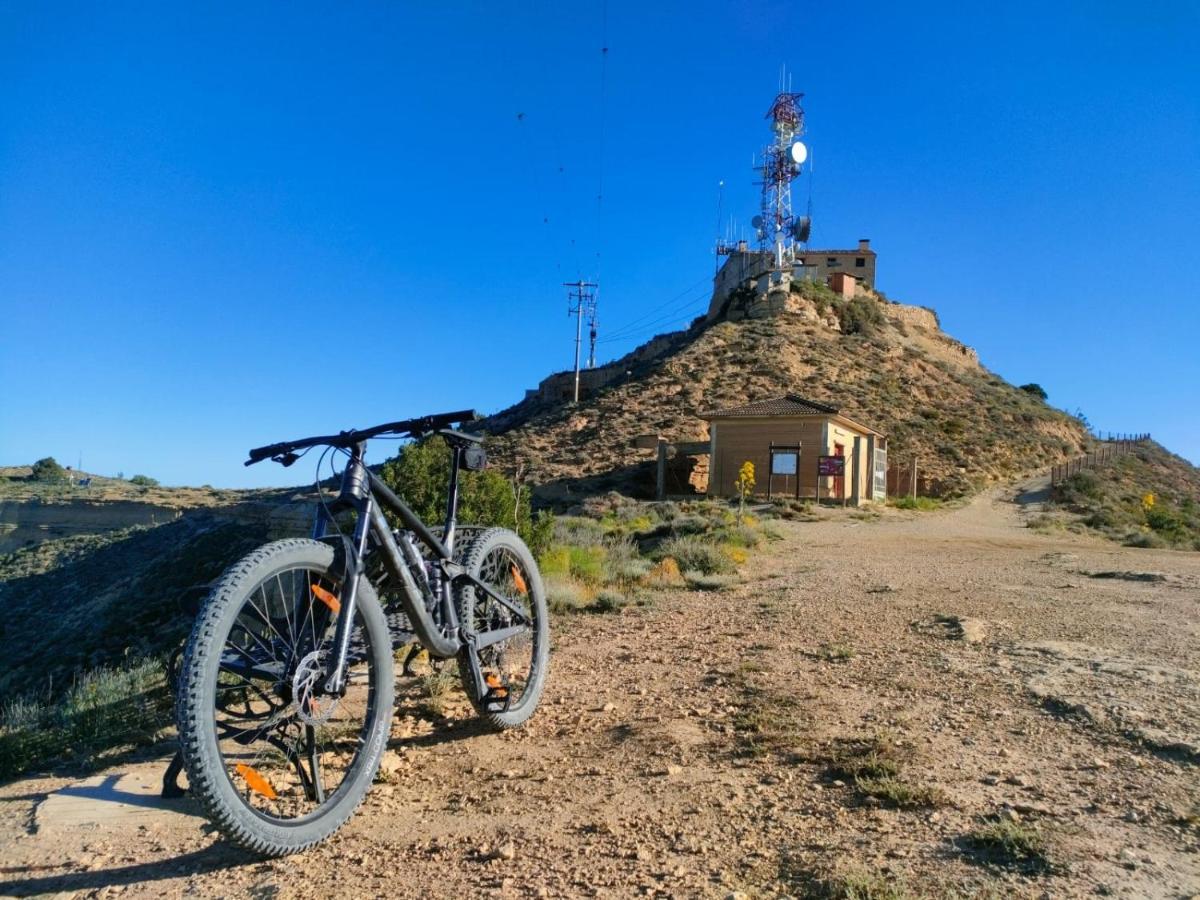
{"x":311,"y":707}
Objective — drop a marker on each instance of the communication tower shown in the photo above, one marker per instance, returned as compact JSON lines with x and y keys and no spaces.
{"x":782,"y":160}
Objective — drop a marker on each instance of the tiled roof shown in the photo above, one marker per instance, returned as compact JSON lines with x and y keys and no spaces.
{"x":790,"y":405}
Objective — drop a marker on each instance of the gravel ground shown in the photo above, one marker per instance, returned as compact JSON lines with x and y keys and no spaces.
{"x":704,"y":745}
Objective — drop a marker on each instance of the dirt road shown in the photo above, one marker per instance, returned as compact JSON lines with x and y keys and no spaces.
{"x":698,"y":746}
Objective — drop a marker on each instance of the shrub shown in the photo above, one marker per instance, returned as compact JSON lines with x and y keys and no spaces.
{"x":144,"y":481}
{"x":666,"y":573}
{"x":693,"y":553}
{"x":565,"y":595}
{"x":861,"y":315}
{"x":690,"y":524}
{"x":1036,"y":390}
{"x":578,"y":531}
{"x":740,"y":536}
{"x":1078,"y":486}
{"x":585,"y":564}
{"x":1010,"y":840}
{"x":420,"y":471}
{"x":701,"y":582}
{"x":609,"y":601}
{"x":621,"y":560}
{"x":48,"y":470}
{"x":1146,"y":540}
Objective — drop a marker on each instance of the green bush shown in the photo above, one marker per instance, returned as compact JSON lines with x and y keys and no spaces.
{"x":420,"y":471}
{"x":585,"y":564}
{"x":144,"y":481}
{"x":48,"y":470}
{"x":860,"y":315}
{"x":1036,"y":389}
{"x":695,"y":554}
{"x":740,"y":535}
{"x":1079,"y":486}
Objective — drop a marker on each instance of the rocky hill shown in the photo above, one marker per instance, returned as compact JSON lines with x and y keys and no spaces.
{"x":885,"y":364}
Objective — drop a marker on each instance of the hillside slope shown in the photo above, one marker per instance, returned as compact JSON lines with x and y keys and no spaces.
{"x":1150,"y":498}
{"x":885,"y":364}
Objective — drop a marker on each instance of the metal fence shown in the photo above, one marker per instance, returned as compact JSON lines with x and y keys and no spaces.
{"x":1110,"y":448}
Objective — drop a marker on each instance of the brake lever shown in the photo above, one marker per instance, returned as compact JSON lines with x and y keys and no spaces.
{"x":285,"y":459}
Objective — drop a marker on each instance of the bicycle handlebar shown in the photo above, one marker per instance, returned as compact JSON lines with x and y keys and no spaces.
{"x":422,"y":425}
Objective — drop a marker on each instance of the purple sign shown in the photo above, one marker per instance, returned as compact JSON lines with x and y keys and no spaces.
{"x":834,"y":466}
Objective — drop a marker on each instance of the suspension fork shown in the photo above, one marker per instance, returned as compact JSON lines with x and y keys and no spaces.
{"x":354,"y":489}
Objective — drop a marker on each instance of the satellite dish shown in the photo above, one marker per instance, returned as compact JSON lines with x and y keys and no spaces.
{"x":799,"y":152}
{"x":802,"y":228}
{"x":757,"y":222}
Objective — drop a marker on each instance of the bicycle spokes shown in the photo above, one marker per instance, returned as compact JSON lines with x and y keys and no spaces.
{"x":286,"y":744}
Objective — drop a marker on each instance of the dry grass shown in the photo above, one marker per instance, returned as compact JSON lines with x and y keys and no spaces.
{"x":1009,"y":842}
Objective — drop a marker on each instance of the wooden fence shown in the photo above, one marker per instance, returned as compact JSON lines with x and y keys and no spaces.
{"x":1111,"y":448}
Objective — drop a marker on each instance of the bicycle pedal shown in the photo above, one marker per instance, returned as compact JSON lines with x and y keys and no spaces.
{"x":497,"y":693}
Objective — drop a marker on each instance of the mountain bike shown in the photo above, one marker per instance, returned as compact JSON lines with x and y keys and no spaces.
{"x":286,"y":685}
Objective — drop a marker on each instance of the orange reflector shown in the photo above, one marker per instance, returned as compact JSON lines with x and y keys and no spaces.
{"x":327,"y":598}
{"x":522,"y":587}
{"x":256,"y":781}
{"x":495,"y":685}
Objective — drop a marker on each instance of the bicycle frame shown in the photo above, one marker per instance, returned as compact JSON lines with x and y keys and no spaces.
{"x":362,"y":491}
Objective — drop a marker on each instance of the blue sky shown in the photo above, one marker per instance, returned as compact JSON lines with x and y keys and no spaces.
{"x":225,"y":228}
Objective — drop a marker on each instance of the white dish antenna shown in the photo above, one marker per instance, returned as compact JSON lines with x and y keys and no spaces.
{"x":799,"y":152}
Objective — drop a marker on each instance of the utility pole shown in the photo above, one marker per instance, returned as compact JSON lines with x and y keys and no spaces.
{"x":581,"y":301}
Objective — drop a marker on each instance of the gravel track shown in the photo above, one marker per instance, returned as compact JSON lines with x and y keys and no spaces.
{"x":683,"y":748}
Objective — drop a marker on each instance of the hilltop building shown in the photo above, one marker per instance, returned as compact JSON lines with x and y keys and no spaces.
{"x":752,"y":268}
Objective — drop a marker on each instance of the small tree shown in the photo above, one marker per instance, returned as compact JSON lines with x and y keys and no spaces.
{"x":1036,"y":389}
{"x":48,"y":470}
{"x":744,"y":487}
{"x":144,"y":481}
{"x":418,"y":473}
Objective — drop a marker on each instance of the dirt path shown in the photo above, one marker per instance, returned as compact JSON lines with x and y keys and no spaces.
{"x":684,"y":748}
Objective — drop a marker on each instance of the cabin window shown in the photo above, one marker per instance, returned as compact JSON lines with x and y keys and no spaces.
{"x":859,"y":262}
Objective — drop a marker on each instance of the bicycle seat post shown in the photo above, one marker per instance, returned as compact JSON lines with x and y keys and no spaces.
{"x":452,"y":498}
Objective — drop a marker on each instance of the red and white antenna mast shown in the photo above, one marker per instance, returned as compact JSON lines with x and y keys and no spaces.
{"x":782,"y":161}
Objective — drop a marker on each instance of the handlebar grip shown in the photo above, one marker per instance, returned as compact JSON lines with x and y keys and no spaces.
{"x":258,"y":454}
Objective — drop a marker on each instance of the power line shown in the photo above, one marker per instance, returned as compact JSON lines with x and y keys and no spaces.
{"x":661,"y":308}
{"x":654,"y":325}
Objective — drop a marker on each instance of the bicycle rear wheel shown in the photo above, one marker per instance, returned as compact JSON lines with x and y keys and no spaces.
{"x":277,"y":764}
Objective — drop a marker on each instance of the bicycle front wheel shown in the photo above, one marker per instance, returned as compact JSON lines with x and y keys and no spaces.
{"x":277,"y":763}
{"x":514,"y":670}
